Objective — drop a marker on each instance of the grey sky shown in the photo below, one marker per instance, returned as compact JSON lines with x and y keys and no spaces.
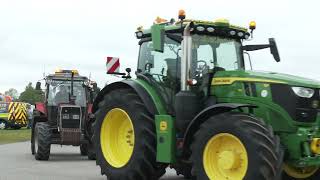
{"x":78,"y":34}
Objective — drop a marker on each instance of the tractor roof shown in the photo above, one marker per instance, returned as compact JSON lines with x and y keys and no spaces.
{"x":220,"y":27}
{"x":65,"y":75}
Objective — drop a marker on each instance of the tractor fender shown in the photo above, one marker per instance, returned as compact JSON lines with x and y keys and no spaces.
{"x":41,"y":107}
{"x":204,"y":115}
{"x":127,"y":84}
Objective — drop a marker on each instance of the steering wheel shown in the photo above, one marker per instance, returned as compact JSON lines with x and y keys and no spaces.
{"x":159,"y":76}
{"x":202,"y":68}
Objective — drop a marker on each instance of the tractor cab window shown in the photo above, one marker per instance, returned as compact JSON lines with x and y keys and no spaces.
{"x":163,"y":67}
{"x":211,"y":52}
{"x":59,"y":93}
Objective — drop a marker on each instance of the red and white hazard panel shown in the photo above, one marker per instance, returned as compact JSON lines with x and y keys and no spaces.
{"x":113,"y":65}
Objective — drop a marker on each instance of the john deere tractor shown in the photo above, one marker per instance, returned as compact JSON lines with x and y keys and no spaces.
{"x":196,"y":108}
{"x":65,"y":116}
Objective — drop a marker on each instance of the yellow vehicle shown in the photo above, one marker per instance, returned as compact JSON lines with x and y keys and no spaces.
{"x":13,"y":115}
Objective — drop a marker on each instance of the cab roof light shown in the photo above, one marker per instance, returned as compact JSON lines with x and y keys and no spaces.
{"x":182,"y":14}
{"x":210,"y":29}
{"x":252,"y":25}
{"x":60,"y":71}
{"x":240,"y":34}
{"x":139,"y":34}
{"x":200,"y":28}
{"x":160,"y":20}
{"x":232,"y":33}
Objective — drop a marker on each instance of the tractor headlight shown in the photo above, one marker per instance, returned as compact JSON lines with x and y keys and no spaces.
{"x":232,"y":33}
{"x":75,"y":116}
{"x":65,"y":116}
{"x":303,"y":92}
{"x":200,"y":28}
{"x":139,"y":34}
{"x":210,"y":29}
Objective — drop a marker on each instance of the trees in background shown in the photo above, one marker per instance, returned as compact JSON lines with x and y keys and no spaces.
{"x":12,"y":92}
{"x":31,"y":95}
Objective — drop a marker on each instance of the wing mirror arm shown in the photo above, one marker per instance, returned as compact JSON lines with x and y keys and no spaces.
{"x":272,"y":45}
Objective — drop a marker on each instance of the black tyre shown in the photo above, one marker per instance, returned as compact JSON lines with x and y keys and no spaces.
{"x":16,"y":127}
{"x":84,"y":149}
{"x":33,"y":148}
{"x":91,"y":149}
{"x":42,"y":141}
{"x":295,"y":173}
{"x":236,"y":146}
{"x":91,"y":152}
{"x":123,"y":111}
{"x":184,"y":170}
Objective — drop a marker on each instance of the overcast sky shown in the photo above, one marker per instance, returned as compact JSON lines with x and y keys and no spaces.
{"x":38,"y":36}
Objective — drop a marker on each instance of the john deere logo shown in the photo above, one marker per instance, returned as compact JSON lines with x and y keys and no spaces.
{"x":163,"y":126}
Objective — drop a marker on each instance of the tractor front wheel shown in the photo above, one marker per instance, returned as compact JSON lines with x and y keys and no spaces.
{"x":42,"y":141}
{"x":236,"y":146}
{"x":125,"y":137}
{"x":33,"y":148}
{"x":297,"y":173}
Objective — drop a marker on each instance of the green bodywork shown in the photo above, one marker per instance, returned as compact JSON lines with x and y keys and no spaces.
{"x":295,"y":136}
{"x":166,"y":141}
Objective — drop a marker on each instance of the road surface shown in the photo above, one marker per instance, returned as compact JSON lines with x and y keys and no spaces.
{"x":17,"y":163}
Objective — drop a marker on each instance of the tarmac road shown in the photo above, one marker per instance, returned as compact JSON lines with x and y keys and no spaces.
{"x":17,"y":163}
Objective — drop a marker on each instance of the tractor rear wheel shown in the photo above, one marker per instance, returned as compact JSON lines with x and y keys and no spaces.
{"x":183,"y":169}
{"x":42,"y":141}
{"x":296,"y":173}
{"x":33,"y":151}
{"x":91,"y":149}
{"x":84,"y":149}
{"x":125,"y":137}
{"x":236,"y":146}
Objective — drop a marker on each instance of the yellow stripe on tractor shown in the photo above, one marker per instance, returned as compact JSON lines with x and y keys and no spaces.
{"x":231,"y":80}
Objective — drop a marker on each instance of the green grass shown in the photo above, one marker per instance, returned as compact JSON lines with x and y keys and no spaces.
{"x":12,"y":136}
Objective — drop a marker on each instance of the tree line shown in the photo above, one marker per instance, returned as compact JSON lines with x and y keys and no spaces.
{"x":29,"y":95}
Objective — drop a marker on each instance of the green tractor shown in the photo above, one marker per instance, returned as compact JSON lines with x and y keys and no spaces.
{"x":194,"y":107}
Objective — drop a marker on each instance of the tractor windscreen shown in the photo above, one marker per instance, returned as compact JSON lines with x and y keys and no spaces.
{"x":208,"y":52}
{"x":215,"y":52}
{"x":60,"y":91}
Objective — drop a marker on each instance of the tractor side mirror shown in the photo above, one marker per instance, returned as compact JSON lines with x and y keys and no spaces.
{"x":157,"y":35}
{"x":38,"y":86}
{"x":274,"y":49}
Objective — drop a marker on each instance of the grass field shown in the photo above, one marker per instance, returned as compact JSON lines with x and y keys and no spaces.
{"x":12,"y":136}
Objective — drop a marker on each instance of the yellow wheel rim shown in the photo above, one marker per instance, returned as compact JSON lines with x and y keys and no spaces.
{"x":117,"y":138}
{"x":225,"y":157}
{"x":300,"y":173}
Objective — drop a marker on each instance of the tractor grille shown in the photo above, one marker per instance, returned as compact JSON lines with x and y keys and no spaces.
{"x":70,"y":116}
{"x":300,"y":109}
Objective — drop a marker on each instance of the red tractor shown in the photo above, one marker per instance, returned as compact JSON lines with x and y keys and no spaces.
{"x":65,"y":116}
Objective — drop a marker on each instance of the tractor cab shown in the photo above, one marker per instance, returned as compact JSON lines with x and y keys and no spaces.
{"x":67,"y":98}
{"x":186,"y":55}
